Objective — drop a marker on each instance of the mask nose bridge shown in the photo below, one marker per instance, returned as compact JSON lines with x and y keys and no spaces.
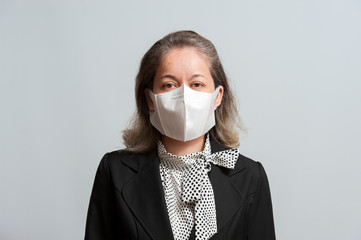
{"x":178,"y":93}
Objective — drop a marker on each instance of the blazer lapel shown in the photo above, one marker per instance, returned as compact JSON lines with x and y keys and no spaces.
{"x":145,"y":197}
{"x":227,"y":197}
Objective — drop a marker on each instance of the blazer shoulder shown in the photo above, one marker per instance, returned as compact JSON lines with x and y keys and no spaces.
{"x":252,"y":168}
{"x":248,"y":175}
{"x":121,"y":166}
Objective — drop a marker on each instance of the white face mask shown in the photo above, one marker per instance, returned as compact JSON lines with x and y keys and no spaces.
{"x":183,"y":114}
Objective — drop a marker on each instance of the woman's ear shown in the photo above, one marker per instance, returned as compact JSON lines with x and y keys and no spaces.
{"x":219,"y":97}
{"x":149,"y":100}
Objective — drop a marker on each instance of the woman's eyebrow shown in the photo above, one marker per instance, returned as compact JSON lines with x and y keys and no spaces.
{"x":175,"y":79}
{"x":169,"y":76}
{"x":196,"y":75}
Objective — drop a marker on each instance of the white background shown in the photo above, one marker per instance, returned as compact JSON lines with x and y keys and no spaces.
{"x":67,"y":72}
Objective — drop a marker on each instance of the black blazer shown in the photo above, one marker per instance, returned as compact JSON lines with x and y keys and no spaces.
{"x":127,"y":201}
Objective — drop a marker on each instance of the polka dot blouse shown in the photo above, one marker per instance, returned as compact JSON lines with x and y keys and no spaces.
{"x":188,"y":191}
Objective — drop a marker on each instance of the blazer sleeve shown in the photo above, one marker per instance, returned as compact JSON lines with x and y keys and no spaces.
{"x":261,"y":224}
{"x":99,"y":223}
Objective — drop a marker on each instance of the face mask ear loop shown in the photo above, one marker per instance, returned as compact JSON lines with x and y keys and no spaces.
{"x":152,"y":97}
{"x":217,"y":89}
{"x":216,"y":94}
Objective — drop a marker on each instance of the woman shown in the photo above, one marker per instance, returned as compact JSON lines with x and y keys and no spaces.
{"x":181,"y":176}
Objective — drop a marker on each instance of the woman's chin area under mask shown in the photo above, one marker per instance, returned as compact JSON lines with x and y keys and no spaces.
{"x":180,"y":148}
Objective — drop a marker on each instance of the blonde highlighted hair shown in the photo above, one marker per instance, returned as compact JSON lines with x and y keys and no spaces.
{"x":141,"y":136}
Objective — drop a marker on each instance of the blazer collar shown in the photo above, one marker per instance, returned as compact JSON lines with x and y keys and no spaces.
{"x":145,"y":196}
{"x":227,"y":197}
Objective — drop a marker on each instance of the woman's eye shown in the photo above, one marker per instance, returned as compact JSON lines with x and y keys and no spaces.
{"x":197,"y":85}
{"x":168,"y":85}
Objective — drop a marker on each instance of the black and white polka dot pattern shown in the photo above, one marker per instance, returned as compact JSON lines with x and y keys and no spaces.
{"x":188,"y":191}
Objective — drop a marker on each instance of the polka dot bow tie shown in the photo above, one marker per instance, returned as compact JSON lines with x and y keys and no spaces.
{"x":196,"y":176}
{"x":197,"y":190}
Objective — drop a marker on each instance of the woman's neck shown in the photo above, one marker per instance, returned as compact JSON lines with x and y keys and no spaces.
{"x":180,"y":148}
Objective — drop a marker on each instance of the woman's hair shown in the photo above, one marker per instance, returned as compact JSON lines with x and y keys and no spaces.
{"x":141,"y":136}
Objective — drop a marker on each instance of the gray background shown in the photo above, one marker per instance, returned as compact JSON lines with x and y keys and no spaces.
{"x":67,"y":70}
